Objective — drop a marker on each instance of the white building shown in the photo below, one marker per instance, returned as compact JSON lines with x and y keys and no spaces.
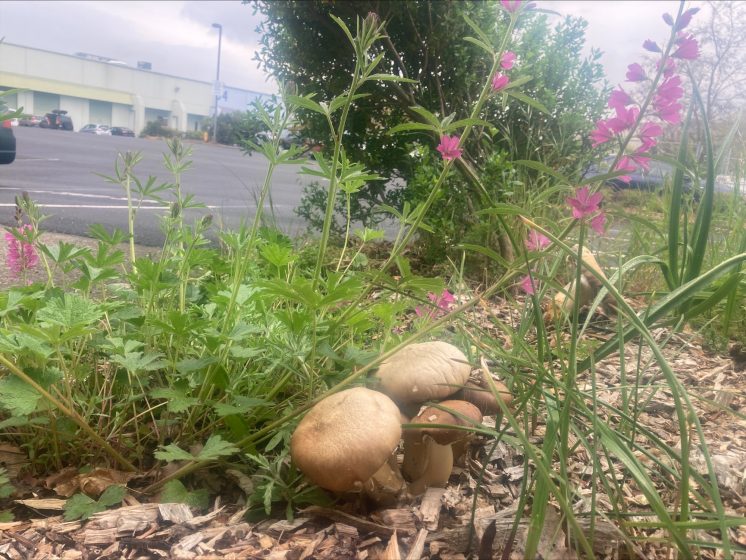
{"x":111,"y":93}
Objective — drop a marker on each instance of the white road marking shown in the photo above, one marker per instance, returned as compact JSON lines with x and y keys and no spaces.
{"x":92,"y":206}
{"x":82,"y":195}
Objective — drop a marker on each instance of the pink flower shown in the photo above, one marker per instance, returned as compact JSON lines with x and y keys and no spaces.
{"x":651,"y":46}
{"x":21,"y":255}
{"x":507,"y":60}
{"x":584,"y":203}
{"x":648,"y":132}
{"x":670,"y":67}
{"x":640,"y":158}
{"x":511,"y":6}
{"x":686,"y":18}
{"x":625,"y":118}
{"x":527,"y":285}
{"x":668,"y":92}
{"x":601,"y":134}
{"x":598,"y":222}
{"x":670,"y":113}
{"x":619,"y":99}
{"x":625,"y":164}
{"x":499,"y":81}
{"x":536,"y":241}
{"x":448,"y":147}
{"x":443,"y":302}
{"x":688,"y":48}
{"x":635,"y":73}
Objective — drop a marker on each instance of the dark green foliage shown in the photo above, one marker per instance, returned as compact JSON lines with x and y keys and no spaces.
{"x":302,"y":45}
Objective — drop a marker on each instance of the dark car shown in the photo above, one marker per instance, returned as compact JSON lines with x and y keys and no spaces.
{"x":122,"y":131}
{"x":7,"y":143}
{"x":654,"y":179}
{"x":57,"y":119}
{"x":30,"y":120}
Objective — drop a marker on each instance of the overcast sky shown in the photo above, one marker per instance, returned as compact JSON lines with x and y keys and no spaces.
{"x":178,"y":38}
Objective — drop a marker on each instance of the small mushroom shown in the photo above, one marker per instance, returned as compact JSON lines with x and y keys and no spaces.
{"x":478,"y":393}
{"x":346,"y":441}
{"x":589,"y":288}
{"x":427,"y":371}
{"x":428,"y":455}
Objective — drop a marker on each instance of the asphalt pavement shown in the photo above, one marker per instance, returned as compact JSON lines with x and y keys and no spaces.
{"x":60,"y":170}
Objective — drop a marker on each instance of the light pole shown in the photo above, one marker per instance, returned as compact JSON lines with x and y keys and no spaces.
{"x":217,"y":85}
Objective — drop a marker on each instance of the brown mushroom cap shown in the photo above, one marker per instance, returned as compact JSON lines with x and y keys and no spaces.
{"x":434,"y":415}
{"x":482,"y":397}
{"x":345,"y":438}
{"x":422,"y":372}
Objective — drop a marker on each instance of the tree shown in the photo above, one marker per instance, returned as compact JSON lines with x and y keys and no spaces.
{"x":425,"y":42}
{"x":720,"y":69}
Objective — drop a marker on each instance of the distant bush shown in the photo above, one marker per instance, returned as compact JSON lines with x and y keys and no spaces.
{"x":158,"y":128}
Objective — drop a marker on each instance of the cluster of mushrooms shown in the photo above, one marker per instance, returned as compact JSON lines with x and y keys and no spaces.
{"x":348,"y":441}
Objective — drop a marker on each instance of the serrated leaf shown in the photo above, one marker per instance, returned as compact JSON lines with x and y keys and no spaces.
{"x":80,"y":506}
{"x":112,"y":496}
{"x":241,"y":405}
{"x":176,"y":401}
{"x":17,"y":396}
{"x":69,"y":311}
{"x":173,"y":452}
{"x":190,"y":365}
{"x":215,"y":448}
{"x":174,"y":492}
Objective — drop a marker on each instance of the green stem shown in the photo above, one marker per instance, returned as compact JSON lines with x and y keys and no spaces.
{"x":70,"y":413}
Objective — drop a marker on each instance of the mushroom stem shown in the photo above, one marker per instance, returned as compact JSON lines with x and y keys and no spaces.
{"x":438,"y":464}
{"x":386,"y":485}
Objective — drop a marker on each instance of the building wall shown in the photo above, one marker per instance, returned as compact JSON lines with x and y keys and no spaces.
{"x":93,"y":91}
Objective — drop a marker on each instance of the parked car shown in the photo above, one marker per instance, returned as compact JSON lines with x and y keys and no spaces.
{"x":97,"y":129}
{"x":7,"y":142}
{"x":57,"y":119}
{"x":30,"y":120}
{"x":122,"y":131}
{"x":653,"y":179}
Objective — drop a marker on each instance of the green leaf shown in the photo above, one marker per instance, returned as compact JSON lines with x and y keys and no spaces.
{"x":482,"y":45}
{"x":80,"y":506}
{"x":407,"y":127}
{"x":543,"y":168}
{"x":306,"y":103}
{"x":427,"y":115}
{"x":70,"y":311}
{"x":173,"y":452}
{"x":391,"y":78}
{"x":176,"y":400}
{"x":174,"y":492}
{"x":17,"y":396}
{"x":527,"y":100}
{"x":113,"y":495}
{"x":215,"y":448}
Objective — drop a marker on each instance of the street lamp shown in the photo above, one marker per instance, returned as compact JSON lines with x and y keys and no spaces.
{"x":217,"y":84}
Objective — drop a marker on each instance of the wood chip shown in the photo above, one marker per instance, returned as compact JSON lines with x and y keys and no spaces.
{"x":430,"y":508}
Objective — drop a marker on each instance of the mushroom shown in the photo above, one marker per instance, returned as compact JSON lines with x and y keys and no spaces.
{"x":427,"y":371}
{"x":346,"y":441}
{"x":478,"y":393}
{"x":428,"y":455}
{"x":589,"y":288}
